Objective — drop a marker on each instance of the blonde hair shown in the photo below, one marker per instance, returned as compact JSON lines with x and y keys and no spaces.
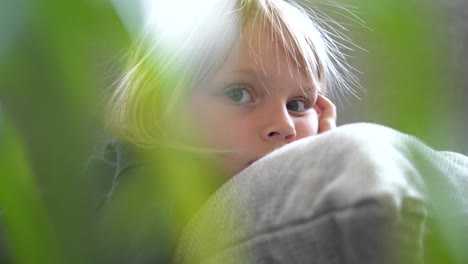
{"x":161,"y":72}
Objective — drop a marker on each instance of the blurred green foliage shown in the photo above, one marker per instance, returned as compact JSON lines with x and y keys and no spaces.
{"x":50,"y":80}
{"x":410,"y":74}
{"x":57,"y":58}
{"x":25,"y":220}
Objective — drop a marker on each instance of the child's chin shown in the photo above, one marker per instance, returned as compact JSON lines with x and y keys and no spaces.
{"x":233,"y":171}
{"x":230,"y":169}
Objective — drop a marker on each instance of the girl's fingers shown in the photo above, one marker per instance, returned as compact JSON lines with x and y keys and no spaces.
{"x":327,"y":118}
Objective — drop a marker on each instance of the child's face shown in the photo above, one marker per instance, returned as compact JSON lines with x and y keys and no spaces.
{"x":255,"y":103}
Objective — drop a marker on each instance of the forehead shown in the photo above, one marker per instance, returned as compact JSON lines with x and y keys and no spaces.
{"x":260,"y":51}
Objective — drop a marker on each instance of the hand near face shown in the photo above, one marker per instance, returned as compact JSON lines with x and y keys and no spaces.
{"x":327,"y":114}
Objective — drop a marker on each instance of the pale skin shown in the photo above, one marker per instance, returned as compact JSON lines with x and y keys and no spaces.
{"x":257,"y":103}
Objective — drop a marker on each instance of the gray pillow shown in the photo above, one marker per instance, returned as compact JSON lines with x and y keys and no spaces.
{"x":357,"y":194}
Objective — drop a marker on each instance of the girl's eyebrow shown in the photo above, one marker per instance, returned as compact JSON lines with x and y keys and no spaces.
{"x":308,"y":89}
{"x":260,"y":79}
{"x":249,"y":74}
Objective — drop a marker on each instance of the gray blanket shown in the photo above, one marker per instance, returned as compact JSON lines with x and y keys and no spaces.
{"x":362,"y":193}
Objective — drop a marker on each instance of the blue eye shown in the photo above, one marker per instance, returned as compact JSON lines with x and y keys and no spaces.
{"x":238,"y":94}
{"x":297,"y":105}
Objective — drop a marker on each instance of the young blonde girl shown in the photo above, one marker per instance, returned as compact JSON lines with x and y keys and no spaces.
{"x":236,"y":81}
{"x":173,"y":68}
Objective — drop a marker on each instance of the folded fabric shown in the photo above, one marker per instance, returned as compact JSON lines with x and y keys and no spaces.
{"x":361,"y":193}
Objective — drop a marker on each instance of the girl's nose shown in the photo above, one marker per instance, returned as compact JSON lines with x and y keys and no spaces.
{"x":280,"y":127}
